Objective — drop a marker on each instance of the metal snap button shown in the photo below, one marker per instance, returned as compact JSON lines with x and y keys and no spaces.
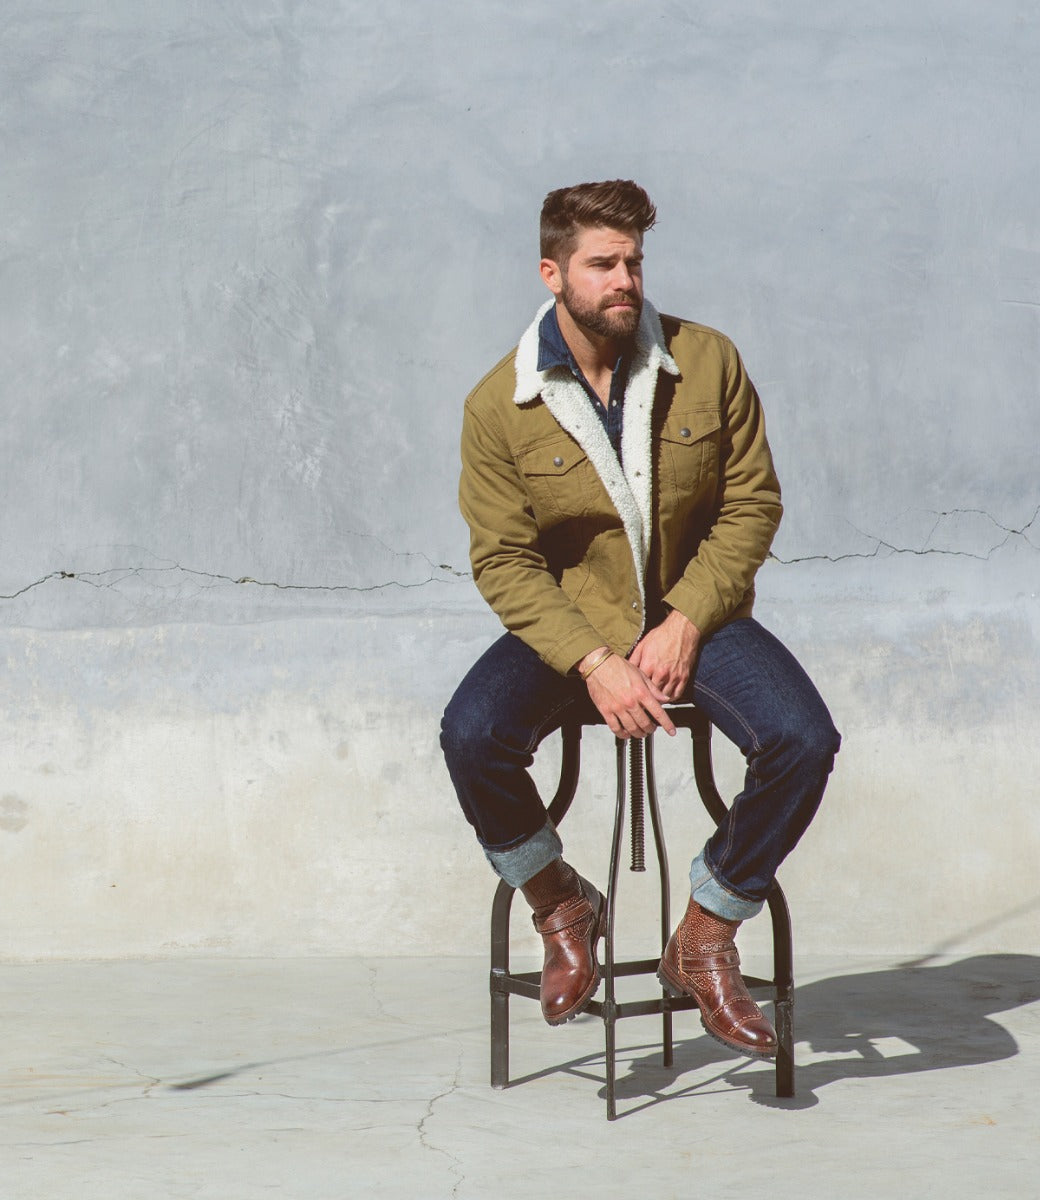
{"x":557,"y":461}
{"x":684,"y":432}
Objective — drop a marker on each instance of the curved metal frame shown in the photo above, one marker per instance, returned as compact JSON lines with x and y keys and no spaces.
{"x":504,"y":983}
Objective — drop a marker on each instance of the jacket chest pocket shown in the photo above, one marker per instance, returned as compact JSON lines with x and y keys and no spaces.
{"x":557,"y":474}
{"x":689,"y":456}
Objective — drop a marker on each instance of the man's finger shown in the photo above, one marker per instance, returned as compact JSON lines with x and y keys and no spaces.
{"x":661,"y":717}
{"x":635,"y":720}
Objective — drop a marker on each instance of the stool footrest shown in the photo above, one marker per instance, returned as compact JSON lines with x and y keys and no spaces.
{"x":657,"y":1007}
{"x":640,"y":966}
{"x":753,"y":981}
{"x":526,"y":983}
{"x":505,"y":983}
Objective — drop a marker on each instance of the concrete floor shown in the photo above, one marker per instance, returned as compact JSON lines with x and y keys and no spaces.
{"x":317,"y":1079}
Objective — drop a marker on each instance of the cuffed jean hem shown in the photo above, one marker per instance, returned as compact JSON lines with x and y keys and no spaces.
{"x":520,"y":863}
{"x":710,"y":894}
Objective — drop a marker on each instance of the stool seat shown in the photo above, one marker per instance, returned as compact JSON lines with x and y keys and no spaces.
{"x":636,"y":790}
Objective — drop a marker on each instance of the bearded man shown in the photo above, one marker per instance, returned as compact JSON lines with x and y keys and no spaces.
{"x":621,"y":496}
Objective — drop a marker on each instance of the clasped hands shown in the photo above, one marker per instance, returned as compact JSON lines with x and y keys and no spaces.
{"x":630,"y":692}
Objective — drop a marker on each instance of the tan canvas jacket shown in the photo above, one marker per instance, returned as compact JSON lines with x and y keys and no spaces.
{"x":573,"y":550}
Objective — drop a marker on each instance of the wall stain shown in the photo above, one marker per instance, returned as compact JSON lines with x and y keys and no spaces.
{"x":13,"y":818}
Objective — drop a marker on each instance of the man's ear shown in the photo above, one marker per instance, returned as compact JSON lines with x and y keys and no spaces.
{"x":552,"y":276}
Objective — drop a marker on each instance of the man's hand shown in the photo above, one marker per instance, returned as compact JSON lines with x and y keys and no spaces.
{"x":666,"y":655}
{"x":628,"y":702}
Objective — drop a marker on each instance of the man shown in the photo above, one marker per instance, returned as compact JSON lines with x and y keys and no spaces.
{"x":621,"y":496}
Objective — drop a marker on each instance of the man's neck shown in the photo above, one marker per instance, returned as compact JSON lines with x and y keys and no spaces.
{"x":596,"y":356}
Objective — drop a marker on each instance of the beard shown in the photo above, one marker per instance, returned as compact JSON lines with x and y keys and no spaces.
{"x":618,"y":324}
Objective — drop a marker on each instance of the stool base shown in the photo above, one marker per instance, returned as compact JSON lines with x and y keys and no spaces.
{"x":505,"y":983}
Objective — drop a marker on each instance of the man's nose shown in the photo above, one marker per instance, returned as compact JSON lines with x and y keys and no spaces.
{"x":621,"y":278}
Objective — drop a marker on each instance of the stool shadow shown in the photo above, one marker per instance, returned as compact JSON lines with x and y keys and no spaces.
{"x":876,"y":1024}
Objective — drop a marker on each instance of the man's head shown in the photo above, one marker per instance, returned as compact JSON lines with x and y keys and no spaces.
{"x":592,"y":254}
{"x":613,"y":204}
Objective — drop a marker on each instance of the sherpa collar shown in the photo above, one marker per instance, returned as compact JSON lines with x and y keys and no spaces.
{"x":650,"y":345}
{"x":630,"y":487}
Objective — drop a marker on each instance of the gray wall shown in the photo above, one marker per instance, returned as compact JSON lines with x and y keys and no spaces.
{"x":252,"y":257}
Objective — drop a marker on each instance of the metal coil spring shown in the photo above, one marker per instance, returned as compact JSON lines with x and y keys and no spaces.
{"x":636,"y":777}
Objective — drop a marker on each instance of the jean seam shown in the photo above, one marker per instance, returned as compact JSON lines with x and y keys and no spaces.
{"x":756,"y":745}
{"x":506,"y":850}
{"x":535,"y":740}
{"x":537,"y":733}
{"x":728,"y":888}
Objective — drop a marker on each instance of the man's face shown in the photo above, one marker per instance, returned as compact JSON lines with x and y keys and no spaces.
{"x":601,"y":285}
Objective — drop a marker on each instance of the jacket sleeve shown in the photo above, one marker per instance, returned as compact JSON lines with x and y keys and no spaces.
{"x":509,"y":569}
{"x":720,"y":576}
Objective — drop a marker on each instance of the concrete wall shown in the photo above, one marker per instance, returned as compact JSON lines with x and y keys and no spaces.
{"x":252,"y":256}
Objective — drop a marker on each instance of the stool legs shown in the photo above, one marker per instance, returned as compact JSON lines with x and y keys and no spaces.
{"x":780,"y":915}
{"x":609,"y":1006}
{"x":665,"y":885}
{"x":500,"y":909}
{"x":642,"y":788}
{"x":504,"y":982}
{"x":783,"y":985}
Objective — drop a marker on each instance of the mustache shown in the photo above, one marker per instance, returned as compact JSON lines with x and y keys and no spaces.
{"x":620,"y":298}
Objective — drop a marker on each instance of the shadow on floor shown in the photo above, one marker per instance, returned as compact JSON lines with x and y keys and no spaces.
{"x":869,"y":1026}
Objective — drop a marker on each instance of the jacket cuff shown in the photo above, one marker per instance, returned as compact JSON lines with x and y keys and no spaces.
{"x":704,"y":611}
{"x":564,"y":654}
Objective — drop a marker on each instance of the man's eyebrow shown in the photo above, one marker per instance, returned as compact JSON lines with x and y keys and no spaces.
{"x":596,"y":259}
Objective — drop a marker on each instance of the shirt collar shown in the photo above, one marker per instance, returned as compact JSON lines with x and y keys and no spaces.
{"x":553,"y":351}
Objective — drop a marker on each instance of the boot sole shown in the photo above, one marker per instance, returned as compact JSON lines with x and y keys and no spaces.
{"x":577,"y":1009}
{"x":673,"y":988}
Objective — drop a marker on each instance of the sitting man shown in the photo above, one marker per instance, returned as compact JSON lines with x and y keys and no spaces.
{"x":620,"y":496}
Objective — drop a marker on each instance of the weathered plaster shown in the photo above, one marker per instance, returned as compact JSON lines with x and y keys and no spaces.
{"x":252,"y":260}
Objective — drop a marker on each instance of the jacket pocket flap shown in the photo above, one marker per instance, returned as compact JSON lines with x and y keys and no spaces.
{"x":552,"y":458}
{"x":690,"y":426}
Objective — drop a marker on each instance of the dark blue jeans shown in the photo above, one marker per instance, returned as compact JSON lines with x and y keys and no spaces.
{"x":747,"y":683}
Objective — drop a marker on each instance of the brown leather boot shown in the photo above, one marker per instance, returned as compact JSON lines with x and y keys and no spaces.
{"x":570,"y":914}
{"x":701,"y":961}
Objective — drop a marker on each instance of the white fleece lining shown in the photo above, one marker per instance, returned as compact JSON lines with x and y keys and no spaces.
{"x":630,"y":489}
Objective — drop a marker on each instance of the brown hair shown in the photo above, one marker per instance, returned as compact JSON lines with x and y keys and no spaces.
{"x":613,"y":204}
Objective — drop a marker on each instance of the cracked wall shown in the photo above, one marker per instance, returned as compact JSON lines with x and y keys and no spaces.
{"x":252,"y":260}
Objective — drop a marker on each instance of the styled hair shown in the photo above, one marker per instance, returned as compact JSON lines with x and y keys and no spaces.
{"x":612,"y":204}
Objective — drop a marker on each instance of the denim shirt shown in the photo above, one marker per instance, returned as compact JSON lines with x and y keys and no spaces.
{"x":553,"y":351}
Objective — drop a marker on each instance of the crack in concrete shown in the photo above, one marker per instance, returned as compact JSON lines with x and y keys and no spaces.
{"x":38,"y":583}
{"x":49,"y":1145}
{"x":883,"y":546}
{"x":368,"y":1047}
{"x":150,"y":1083}
{"x":259,"y":1094}
{"x":373,"y":979}
{"x":83,"y":1102}
{"x":111,"y":577}
{"x":381,"y":1010}
{"x":151,"y":1080}
{"x":424,"y":1141}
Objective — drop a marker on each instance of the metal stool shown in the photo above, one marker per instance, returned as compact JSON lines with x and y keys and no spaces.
{"x":640,"y":777}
